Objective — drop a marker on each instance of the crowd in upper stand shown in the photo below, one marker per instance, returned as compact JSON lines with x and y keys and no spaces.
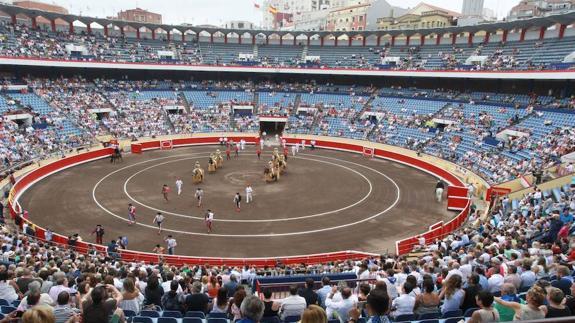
{"x":23,"y":41}
{"x":461,"y":127}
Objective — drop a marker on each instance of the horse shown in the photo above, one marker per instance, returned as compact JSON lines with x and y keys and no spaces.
{"x":211,"y":165}
{"x":116,"y":156}
{"x":198,"y":176}
{"x":271,"y":173}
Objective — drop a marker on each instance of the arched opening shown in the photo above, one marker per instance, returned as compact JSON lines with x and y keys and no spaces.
{"x":219,"y":37}
{"x":43,"y":23}
{"x":260,"y":38}
{"x":315,"y":39}
{"x":288,"y":39}
{"x":301,"y":39}
{"x":328,"y":40}
{"x":22,"y":19}
{"x":190,"y":36}
{"x":274,"y":39}
{"x":371,"y":40}
{"x":204,"y":36}
{"x":246,"y":37}
{"x":96,"y":28}
{"x":232,"y":37}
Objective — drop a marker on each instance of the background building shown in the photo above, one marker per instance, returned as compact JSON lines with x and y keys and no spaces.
{"x":351,"y":18}
{"x":44,"y":7}
{"x":472,"y":8}
{"x":473,"y":12}
{"x":381,"y":8}
{"x":421,"y":16}
{"x":301,"y":14}
{"x":537,"y":8}
{"x":239,"y":24}
{"x":140,"y":15}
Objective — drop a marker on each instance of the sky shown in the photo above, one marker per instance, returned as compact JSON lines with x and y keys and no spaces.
{"x":217,"y":12}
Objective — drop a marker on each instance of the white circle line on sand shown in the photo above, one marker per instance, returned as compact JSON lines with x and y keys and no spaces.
{"x":398,"y":196}
{"x":250,"y":220}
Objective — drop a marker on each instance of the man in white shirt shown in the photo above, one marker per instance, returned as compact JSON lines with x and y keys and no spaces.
{"x":171,"y":243}
{"x":293,"y":305}
{"x":249,"y":192}
{"x":341,"y":307}
{"x":179,"y":184}
{"x":495,"y":281}
{"x":242,"y":144}
{"x":167,"y":284}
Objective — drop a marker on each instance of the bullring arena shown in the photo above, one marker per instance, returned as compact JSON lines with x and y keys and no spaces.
{"x":349,"y":161}
{"x":327,"y":201}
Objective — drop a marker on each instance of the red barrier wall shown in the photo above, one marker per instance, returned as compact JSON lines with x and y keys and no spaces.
{"x":402,"y":247}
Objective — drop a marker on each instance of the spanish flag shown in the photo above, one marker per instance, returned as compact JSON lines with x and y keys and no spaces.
{"x":273,"y":10}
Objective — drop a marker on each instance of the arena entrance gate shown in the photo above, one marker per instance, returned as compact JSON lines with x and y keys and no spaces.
{"x":272,"y":125}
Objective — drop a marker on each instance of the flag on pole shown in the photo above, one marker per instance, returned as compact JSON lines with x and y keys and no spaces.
{"x":256,"y":5}
{"x":273,"y":10}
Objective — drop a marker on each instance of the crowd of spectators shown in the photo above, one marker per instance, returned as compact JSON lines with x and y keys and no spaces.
{"x":23,"y":41}
{"x":135,"y":109}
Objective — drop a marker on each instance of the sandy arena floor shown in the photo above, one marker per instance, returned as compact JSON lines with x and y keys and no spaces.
{"x":327,"y":201}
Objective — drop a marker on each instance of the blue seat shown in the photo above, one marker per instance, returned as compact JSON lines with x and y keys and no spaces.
{"x":404,"y":318}
{"x":470,"y":311}
{"x":290,"y":319}
{"x":128,"y":313}
{"x":142,"y":319}
{"x":217,"y":316}
{"x":192,"y":320}
{"x":195,"y":314}
{"x":217,"y":320}
{"x":429,"y":321}
{"x":333,"y":321}
{"x":4,"y":302}
{"x":453,"y":320}
{"x":167,"y":320}
{"x":270,"y":319}
{"x":174,"y":314}
{"x":16,"y":303}
{"x":7,"y":309}
{"x":450,"y":314}
{"x":147,"y":313}
{"x":429,"y":316}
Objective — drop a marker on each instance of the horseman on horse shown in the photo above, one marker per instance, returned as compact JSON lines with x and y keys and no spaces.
{"x":116,"y":153}
{"x":219,"y":160}
{"x":212,"y":164}
{"x":271,"y":173}
{"x":198,"y":174}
